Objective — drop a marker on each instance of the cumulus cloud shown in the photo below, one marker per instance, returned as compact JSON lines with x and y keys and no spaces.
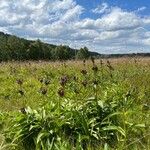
{"x":59,"y":22}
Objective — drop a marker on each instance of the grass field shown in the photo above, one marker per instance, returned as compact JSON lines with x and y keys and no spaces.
{"x":75,"y":105}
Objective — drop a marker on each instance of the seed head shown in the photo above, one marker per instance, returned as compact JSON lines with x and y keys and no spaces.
{"x":84,"y":62}
{"x":95,"y":82}
{"x":101,"y":62}
{"x":41,"y":80}
{"x":19,"y":81}
{"x":46,"y":81}
{"x":63,"y":80}
{"x":43,"y":90}
{"x":21,"y":92}
{"x":75,"y":78}
{"x":109,"y":65}
{"x":95,"y":68}
{"x":23,"y":110}
{"x":84,"y":83}
{"x":84,"y":72}
{"x":93,"y":60}
{"x":61,"y":92}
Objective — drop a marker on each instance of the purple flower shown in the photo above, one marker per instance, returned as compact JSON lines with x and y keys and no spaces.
{"x":63,"y":80}
{"x":43,"y":90}
{"x":61,"y":92}
{"x":84,"y":72}
{"x":19,"y":81}
{"x":84,"y":83}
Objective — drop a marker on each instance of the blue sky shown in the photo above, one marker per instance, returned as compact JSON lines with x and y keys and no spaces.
{"x":105,"y":26}
{"x":129,"y":5}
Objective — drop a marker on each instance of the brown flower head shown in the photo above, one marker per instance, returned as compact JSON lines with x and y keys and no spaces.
{"x":19,"y":81}
{"x":101,"y":62}
{"x":84,"y":83}
{"x":41,"y":80}
{"x":75,"y":78}
{"x":109,"y":65}
{"x":61,"y":92}
{"x":43,"y":90}
{"x":63,"y":80}
{"x":93,"y":60}
{"x":46,"y":81}
{"x":23,"y":110}
{"x":84,"y":62}
{"x":95,"y":68}
{"x":21,"y":92}
{"x":83,"y":71}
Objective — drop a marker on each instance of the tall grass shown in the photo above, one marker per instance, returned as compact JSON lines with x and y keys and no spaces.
{"x":89,"y":105}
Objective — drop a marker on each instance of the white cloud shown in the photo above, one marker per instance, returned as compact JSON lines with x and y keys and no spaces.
{"x":141,"y":9}
{"x":103,"y":8}
{"x":118,"y":19}
{"x":72,"y":14}
{"x":59,"y":22}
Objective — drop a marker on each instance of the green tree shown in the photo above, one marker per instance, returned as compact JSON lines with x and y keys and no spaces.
{"x":35,"y":50}
{"x":83,"y":53}
{"x":61,"y":53}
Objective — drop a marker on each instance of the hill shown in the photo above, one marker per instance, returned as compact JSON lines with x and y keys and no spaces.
{"x":16,"y":48}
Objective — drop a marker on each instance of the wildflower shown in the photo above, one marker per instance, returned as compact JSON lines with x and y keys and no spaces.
{"x":61,"y":92}
{"x":41,"y":80}
{"x":109,"y":65}
{"x":63,"y":80}
{"x":46,"y":81}
{"x":75,"y":78}
{"x":84,"y":83}
{"x":84,"y":62}
{"x":19,"y":81}
{"x":23,"y":110}
{"x":101,"y":62}
{"x":95,"y":82}
{"x":65,"y":65}
{"x":84,"y":72}
{"x":43,"y":90}
{"x":93,"y":60}
{"x":21,"y":92}
{"x":95,"y":68}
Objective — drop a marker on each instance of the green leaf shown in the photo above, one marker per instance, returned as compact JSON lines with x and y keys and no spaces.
{"x":140,"y":125}
{"x":101,"y":104}
{"x":106,"y":146}
{"x":111,"y":128}
{"x":40,"y":136}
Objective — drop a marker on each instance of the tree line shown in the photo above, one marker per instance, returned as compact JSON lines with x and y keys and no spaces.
{"x":14,"y":48}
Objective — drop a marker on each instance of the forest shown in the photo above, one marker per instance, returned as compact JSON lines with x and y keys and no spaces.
{"x":15,"y":48}
{"x":20,"y":49}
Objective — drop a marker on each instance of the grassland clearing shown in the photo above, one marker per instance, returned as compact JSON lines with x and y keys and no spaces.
{"x":98,"y":104}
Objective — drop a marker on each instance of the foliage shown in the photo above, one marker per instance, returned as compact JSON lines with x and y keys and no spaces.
{"x":102,"y":104}
{"x":14,"y":48}
{"x":83,"y":53}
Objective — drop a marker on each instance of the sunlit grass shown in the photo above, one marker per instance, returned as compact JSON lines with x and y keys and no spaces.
{"x":96,"y":104}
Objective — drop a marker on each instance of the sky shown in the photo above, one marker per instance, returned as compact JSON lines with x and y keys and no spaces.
{"x":104,"y":26}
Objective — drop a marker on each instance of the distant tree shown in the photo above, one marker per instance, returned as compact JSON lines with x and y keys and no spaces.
{"x":61,"y":53}
{"x":83,"y":53}
{"x":15,"y":48}
{"x":47,"y":52}
{"x":35,"y":51}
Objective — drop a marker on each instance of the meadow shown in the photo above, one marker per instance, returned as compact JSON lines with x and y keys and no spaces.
{"x":75,"y":105}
